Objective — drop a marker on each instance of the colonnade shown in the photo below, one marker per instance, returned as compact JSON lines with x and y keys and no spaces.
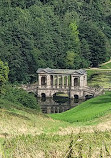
{"x":61,"y":81}
{"x":54,"y":81}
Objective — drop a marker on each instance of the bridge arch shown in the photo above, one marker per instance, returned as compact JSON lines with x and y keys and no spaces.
{"x":89,"y":96}
{"x":76,"y":96}
{"x":60,"y":97}
{"x":43,"y":97}
{"x":62,"y":94}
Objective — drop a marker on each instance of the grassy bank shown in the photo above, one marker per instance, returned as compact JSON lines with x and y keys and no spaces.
{"x":106,"y":66}
{"x":27,"y":133}
{"x":95,"y":144}
{"x":99,"y":78}
{"x":89,"y":110}
{"x":15,"y":119}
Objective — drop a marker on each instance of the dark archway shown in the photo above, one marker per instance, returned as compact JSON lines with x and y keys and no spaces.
{"x":60,"y":97}
{"x":43,"y":97}
{"x":43,"y":80}
{"x":88,"y":97}
{"x":76,"y":96}
{"x":76,"y":82}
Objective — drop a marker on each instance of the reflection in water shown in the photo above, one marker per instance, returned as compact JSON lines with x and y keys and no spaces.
{"x":57,"y":104}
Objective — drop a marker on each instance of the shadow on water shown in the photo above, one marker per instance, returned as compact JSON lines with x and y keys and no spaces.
{"x":57,"y":104}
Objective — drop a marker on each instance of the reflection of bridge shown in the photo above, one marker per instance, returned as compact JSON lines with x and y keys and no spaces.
{"x":51,"y":106}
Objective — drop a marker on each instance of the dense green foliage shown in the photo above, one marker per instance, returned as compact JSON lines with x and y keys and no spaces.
{"x":88,"y":110}
{"x":4,"y":70}
{"x":21,"y":97}
{"x":56,"y":34}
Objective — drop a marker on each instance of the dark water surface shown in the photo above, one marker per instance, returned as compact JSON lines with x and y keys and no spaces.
{"x":57,"y":104}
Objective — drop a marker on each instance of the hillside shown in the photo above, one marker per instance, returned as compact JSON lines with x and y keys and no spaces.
{"x":88,"y":110}
{"x":100,"y":76}
{"x":69,"y":34}
{"x":28,"y":133}
{"x":57,"y":34}
{"x":106,"y":65}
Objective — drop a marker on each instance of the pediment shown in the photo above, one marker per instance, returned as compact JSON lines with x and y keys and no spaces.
{"x":41,"y":71}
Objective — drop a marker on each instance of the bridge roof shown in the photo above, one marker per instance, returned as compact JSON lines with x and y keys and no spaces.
{"x":61,"y":71}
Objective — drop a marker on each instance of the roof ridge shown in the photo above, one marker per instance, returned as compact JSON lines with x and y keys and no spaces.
{"x":61,"y":71}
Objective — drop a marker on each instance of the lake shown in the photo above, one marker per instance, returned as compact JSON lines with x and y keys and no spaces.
{"x":57,"y":104}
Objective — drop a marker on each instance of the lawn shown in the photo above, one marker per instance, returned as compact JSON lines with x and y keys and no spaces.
{"x":25,"y":132}
{"x":106,"y":66}
{"x":99,"y":78}
{"x":82,"y":145}
{"x":88,"y":110}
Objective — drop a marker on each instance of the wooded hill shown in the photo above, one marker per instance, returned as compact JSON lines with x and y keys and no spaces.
{"x":53,"y":33}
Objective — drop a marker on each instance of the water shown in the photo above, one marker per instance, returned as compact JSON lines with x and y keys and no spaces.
{"x":57,"y":104}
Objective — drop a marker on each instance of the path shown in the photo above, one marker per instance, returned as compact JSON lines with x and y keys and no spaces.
{"x":95,"y":68}
{"x":106,"y":62}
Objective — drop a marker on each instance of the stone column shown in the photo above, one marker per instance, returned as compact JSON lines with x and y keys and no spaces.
{"x":57,"y":81}
{"x":48,"y":81}
{"x":82,"y":81}
{"x":72,"y":81}
{"x":39,"y":81}
{"x":62,"y":81}
{"x":53,"y":81}
{"x":67,"y":81}
{"x":85,"y":80}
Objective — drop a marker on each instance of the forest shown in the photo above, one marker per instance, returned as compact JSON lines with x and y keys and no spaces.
{"x":69,"y":34}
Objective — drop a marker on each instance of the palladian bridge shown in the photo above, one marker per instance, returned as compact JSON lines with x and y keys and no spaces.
{"x":67,"y":81}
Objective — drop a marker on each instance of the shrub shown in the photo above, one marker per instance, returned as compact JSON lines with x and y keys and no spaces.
{"x":17,"y":95}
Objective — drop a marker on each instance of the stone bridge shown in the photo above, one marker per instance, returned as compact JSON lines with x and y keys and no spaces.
{"x":70,"y":82}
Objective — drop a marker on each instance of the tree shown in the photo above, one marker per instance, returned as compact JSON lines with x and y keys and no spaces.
{"x":70,"y":59}
{"x":97,"y":42}
{"x":74,"y":37}
{"x":4,"y":70}
{"x":85,"y":52}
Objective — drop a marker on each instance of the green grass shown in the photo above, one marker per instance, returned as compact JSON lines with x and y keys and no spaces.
{"x":106,"y":66}
{"x":16,"y":119}
{"x":61,"y":94}
{"x":95,"y":144}
{"x":25,"y":132}
{"x":89,"y":110}
{"x":99,"y":77}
